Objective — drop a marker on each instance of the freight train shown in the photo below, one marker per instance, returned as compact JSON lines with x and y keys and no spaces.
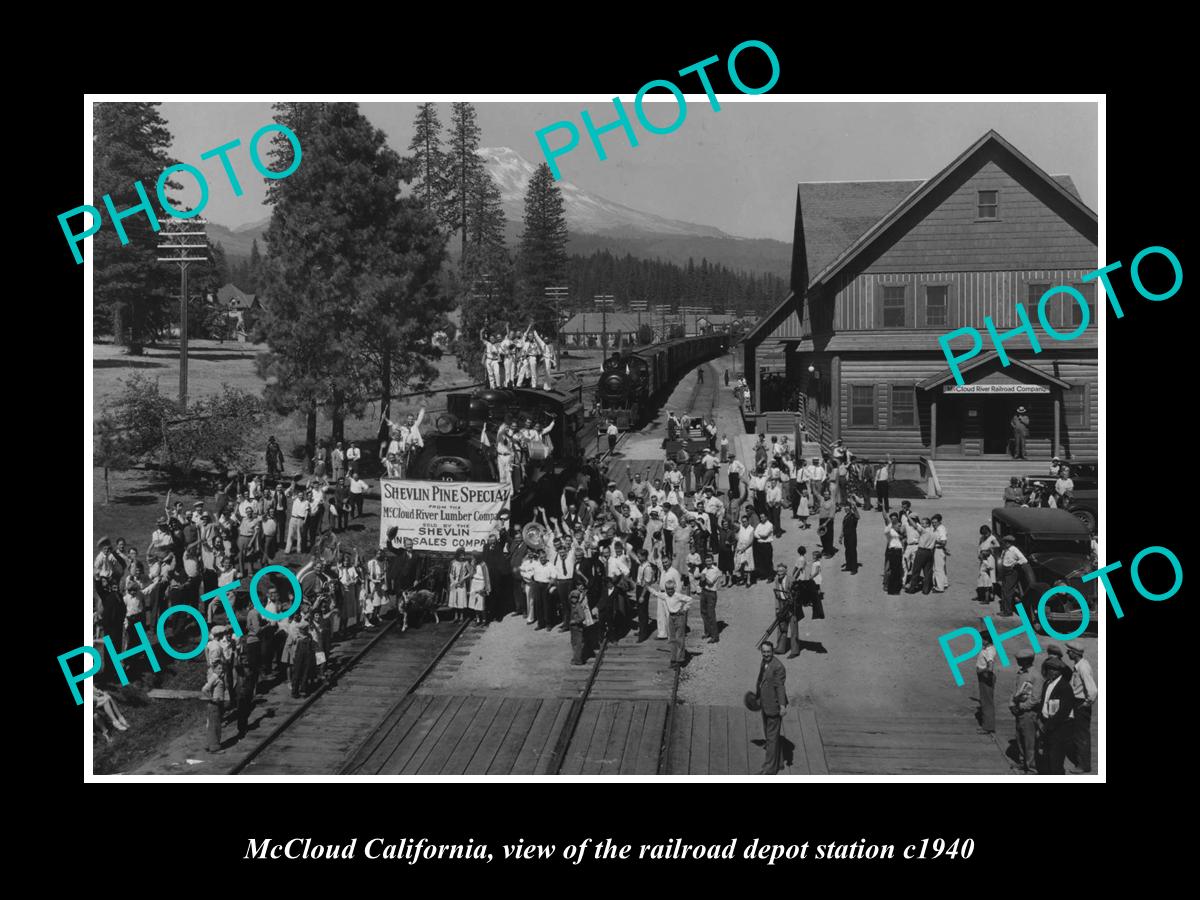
{"x":632,"y":379}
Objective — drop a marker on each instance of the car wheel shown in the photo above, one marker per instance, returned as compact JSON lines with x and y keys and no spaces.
{"x":1086,"y":517}
{"x":1032,"y":597}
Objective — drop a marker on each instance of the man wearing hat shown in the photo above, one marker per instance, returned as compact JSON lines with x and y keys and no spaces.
{"x":1011,"y":559}
{"x":771,"y":694}
{"x":1083,"y":685}
{"x":1055,"y":727}
{"x":1020,"y":431}
{"x":985,"y":671}
{"x":1026,"y":699}
{"x":219,"y":657}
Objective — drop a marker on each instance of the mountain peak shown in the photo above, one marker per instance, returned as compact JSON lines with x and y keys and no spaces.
{"x":587,"y":213}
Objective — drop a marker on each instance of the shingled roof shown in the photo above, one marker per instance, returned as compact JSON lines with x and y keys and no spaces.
{"x":835,"y":214}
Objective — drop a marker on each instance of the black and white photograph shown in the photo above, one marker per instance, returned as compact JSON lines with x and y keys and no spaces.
{"x":489,"y":438}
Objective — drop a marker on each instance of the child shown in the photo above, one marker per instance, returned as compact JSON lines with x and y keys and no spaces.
{"x":803,"y":511}
{"x":987,"y":577}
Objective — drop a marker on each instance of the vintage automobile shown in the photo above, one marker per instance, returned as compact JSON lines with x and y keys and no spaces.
{"x":1085,"y":473}
{"x":1059,"y":549}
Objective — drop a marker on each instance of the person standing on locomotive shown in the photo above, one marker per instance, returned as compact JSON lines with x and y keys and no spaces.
{"x":491,"y":356}
{"x":532,"y":352}
{"x":404,"y":438}
{"x":548,"y":361}
{"x":508,"y":358}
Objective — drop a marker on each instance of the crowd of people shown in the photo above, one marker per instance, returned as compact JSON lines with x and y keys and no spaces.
{"x":606,"y":564}
{"x":1052,"y":711}
{"x":1039,"y":492}
{"x":512,"y":359}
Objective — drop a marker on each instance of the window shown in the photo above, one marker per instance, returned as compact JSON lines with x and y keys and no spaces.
{"x":1035,"y":297}
{"x":989,"y":204}
{"x":1074,"y":407}
{"x":1074,"y":310}
{"x":862,"y":405}
{"x":936,"y":303}
{"x":893,"y":306}
{"x":904,"y":405}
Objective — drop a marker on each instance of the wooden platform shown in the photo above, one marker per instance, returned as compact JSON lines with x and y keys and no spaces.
{"x":728,"y":740}
{"x":465,"y":735}
{"x":910,"y":745}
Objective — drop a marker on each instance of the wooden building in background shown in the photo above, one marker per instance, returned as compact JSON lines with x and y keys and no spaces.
{"x":881,"y":269}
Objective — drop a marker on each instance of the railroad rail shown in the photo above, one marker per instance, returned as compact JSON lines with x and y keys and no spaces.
{"x":704,"y":397}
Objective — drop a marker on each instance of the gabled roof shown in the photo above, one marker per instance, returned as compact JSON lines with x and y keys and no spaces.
{"x":834,"y":214}
{"x":992,"y":356}
{"x":991,"y":138}
{"x":233,"y":297}
{"x":835,"y":220}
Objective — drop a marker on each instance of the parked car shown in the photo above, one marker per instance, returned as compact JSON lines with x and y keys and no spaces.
{"x":1084,"y":506}
{"x":1059,"y":549}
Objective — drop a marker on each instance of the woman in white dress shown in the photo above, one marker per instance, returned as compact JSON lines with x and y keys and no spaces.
{"x":743,"y":562}
{"x":480,"y":587}
{"x":461,"y":571}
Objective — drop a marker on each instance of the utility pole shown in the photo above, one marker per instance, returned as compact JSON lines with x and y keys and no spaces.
{"x":557,"y":293}
{"x":604,"y":301}
{"x":183,"y":260}
{"x":638,"y":306}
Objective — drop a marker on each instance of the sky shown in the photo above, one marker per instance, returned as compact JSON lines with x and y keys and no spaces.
{"x":734,"y":169}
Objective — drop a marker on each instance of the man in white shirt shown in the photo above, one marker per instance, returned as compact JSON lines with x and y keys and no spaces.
{"x":1011,"y":559}
{"x":816,"y":481}
{"x":563,"y":563}
{"x":1083,"y":684}
{"x":883,"y":477}
{"x":619,"y":565}
{"x":612,"y":433}
{"x":543,"y":575}
{"x":710,"y":577}
{"x":670,"y":526}
{"x":676,"y":605}
{"x":711,"y":467}
{"x":358,"y":493}
{"x":737,"y":470}
{"x":1063,"y":486}
{"x":300,"y":511}
{"x":353,"y":457}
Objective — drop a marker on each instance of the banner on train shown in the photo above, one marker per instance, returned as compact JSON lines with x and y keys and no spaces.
{"x":441,"y":515}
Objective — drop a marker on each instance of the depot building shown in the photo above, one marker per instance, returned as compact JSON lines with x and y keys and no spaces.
{"x":881,"y":269}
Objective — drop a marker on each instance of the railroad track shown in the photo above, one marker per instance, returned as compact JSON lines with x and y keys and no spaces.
{"x":703,"y":399}
{"x":318,"y":735}
{"x":372,"y":716}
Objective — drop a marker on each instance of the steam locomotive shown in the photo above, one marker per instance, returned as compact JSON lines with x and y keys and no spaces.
{"x":631,"y":379}
{"x":455,"y":451}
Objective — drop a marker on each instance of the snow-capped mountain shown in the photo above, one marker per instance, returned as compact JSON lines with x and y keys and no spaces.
{"x":587,"y":213}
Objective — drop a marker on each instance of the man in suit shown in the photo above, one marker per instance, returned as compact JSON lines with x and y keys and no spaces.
{"x":1020,"y":432}
{"x":772,"y":694}
{"x":1056,"y":730}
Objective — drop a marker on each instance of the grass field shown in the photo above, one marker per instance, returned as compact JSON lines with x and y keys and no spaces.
{"x":212,"y":364}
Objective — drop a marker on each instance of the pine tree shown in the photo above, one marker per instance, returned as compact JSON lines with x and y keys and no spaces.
{"x":349,"y":280}
{"x":253,"y":268}
{"x":429,"y":160}
{"x":542,"y":257}
{"x":131,"y":289}
{"x":463,"y":168}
